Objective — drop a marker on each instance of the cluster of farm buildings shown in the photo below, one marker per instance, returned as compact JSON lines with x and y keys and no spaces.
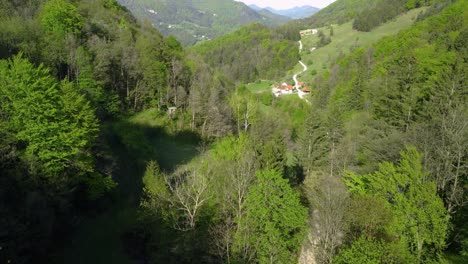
{"x":285,"y":88}
{"x":308,"y":32}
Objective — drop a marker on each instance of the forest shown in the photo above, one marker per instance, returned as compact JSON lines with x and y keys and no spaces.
{"x":119,"y":145}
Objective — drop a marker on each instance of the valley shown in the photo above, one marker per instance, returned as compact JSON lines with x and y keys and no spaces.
{"x":210,"y":132}
{"x":192,"y":22}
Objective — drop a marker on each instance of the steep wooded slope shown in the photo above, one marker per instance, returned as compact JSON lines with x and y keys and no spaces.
{"x":409,"y":89}
{"x":250,"y":53}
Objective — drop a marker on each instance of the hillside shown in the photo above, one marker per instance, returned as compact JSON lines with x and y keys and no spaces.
{"x":250,"y":53}
{"x":403,"y":94}
{"x":119,"y":145}
{"x":344,"y":39}
{"x":194,"y":21}
{"x":374,"y":13}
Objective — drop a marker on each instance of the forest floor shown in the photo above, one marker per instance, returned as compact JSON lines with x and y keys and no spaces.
{"x":133,"y":142}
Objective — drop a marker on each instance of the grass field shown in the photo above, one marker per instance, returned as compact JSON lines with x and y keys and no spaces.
{"x":344,"y":40}
{"x":260,"y":87}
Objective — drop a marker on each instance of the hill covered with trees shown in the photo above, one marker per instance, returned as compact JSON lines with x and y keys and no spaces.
{"x":250,"y":53}
{"x":405,"y":90}
{"x":117,"y":145}
{"x":191,"y":22}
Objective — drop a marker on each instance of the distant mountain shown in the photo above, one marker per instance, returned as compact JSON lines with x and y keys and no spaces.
{"x":294,"y":13}
{"x":198,"y":20}
{"x":255,"y":7}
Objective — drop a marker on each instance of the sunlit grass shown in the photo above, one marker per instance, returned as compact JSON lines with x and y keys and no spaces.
{"x":344,"y":40}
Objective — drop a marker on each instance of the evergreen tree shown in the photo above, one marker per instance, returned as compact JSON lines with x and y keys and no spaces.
{"x":272,"y":229}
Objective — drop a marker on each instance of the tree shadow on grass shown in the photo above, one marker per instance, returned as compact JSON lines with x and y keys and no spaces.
{"x":100,"y":237}
{"x":133,"y":145}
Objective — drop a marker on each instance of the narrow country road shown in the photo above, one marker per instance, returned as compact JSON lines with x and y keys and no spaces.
{"x":300,"y":93}
{"x":295,"y":75}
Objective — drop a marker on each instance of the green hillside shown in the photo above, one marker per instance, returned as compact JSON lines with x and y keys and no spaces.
{"x":249,"y":53}
{"x":341,"y":11}
{"x":195,"y":21}
{"x":365,"y":15}
{"x":407,"y":89}
{"x":344,"y":40}
{"x":119,"y":145}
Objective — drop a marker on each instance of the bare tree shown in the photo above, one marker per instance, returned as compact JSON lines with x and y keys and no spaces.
{"x":223,"y":238}
{"x":176,"y":69}
{"x":329,"y":199}
{"x":445,"y":139}
{"x":189,"y":191}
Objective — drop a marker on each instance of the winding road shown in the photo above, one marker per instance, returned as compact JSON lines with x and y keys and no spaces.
{"x":300,"y":93}
{"x":295,"y":75}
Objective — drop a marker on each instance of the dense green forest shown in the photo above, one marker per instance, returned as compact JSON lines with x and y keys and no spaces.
{"x":250,"y":53}
{"x":117,"y":145}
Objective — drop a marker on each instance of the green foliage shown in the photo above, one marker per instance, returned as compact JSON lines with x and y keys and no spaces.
{"x":384,"y":11}
{"x":52,"y":129}
{"x":323,"y":39}
{"x":60,"y":16}
{"x":364,"y":251}
{"x":98,"y":186}
{"x":314,"y":142}
{"x":272,"y":228}
{"x":231,"y":148}
{"x":156,"y":193}
{"x":54,"y":120}
{"x":405,"y":89}
{"x":389,"y":95}
{"x":250,"y":53}
{"x":245,"y":108}
{"x":410,"y":4}
{"x":112,"y":4}
{"x":419,"y":214}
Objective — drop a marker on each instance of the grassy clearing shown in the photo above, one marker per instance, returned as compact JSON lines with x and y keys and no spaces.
{"x":260,"y":87}
{"x":344,"y":40}
{"x":133,"y":142}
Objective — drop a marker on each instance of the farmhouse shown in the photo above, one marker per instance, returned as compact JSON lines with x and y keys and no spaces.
{"x":283,"y":89}
{"x":308,"y":32}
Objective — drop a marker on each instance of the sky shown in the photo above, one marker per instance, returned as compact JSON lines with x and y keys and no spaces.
{"x":286,"y":4}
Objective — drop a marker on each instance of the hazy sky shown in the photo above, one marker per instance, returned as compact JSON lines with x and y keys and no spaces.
{"x":286,"y":4}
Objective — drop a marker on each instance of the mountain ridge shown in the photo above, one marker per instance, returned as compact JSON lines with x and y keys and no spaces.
{"x":296,"y":12}
{"x":194,"y":21}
